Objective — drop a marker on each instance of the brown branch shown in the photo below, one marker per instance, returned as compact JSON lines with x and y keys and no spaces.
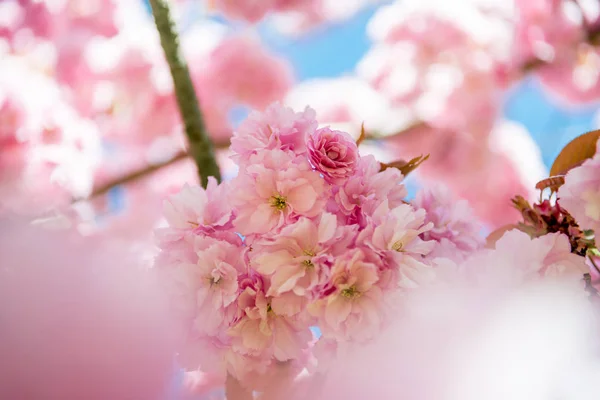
{"x":145,"y":171}
{"x":136,"y":174}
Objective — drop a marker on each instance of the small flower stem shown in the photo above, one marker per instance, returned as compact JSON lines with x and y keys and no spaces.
{"x":200,"y":145}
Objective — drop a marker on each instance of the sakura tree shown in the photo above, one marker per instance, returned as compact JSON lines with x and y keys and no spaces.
{"x":146,"y":231}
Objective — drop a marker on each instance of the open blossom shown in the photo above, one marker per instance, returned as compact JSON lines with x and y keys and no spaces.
{"x":217,"y":273}
{"x":299,"y":257}
{"x":580,"y":195}
{"x":354,"y":309}
{"x":455,"y":229}
{"x":275,"y":190}
{"x":362,"y":193}
{"x":277,"y":128}
{"x":394,"y":236}
{"x":266,"y":327}
{"x":195,"y":207}
{"x":333,"y":153}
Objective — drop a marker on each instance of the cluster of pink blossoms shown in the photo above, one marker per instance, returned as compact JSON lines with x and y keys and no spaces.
{"x":308,"y":234}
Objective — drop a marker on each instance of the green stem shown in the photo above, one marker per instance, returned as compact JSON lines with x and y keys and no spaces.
{"x":200,"y":146}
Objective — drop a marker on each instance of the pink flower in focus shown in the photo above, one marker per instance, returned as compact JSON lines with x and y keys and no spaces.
{"x":353,"y":311}
{"x":333,"y":153}
{"x":298,"y":258}
{"x":268,"y":329}
{"x":276,"y":188}
{"x":216,"y":274}
{"x":455,"y":228}
{"x":394,"y":235}
{"x":277,"y":128}
{"x":580,"y":195}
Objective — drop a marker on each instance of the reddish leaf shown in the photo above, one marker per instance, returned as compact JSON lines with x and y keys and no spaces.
{"x":575,"y":153}
{"x":406,"y":167}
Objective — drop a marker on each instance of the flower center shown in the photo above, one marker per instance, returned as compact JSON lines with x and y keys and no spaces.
{"x":308,"y":263}
{"x":350,"y":293}
{"x":397,"y":246}
{"x":278,"y":202}
{"x":333,"y":154}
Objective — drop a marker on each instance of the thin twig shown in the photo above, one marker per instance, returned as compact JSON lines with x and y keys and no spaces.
{"x":135,"y":175}
{"x":200,"y":145}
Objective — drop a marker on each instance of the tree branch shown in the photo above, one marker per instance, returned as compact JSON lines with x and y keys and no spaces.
{"x":200,"y":146}
{"x":135,"y":175}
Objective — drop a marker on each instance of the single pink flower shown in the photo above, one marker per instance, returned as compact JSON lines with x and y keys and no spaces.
{"x":264,"y":330}
{"x":202,"y":289}
{"x":353,"y":311}
{"x":333,"y":153}
{"x":394,"y":235}
{"x":580,"y":195}
{"x":275,"y":189}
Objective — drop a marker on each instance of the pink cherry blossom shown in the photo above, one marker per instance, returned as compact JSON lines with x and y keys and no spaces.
{"x":440,"y":62}
{"x":276,"y":188}
{"x":298,"y":259}
{"x":241,"y":71}
{"x":216,"y":275}
{"x":277,"y":128}
{"x":333,"y":153}
{"x":580,"y":195}
{"x":194,"y":207}
{"x":394,"y":235}
{"x":366,"y":190}
{"x":455,"y":229}
{"x":518,"y":258}
{"x":353,"y":311}
{"x":265,"y":328}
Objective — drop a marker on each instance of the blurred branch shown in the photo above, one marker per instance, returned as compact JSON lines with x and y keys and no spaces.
{"x":146,"y":170}
{"x":200,"y":145}
{"x":136,"y":175}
